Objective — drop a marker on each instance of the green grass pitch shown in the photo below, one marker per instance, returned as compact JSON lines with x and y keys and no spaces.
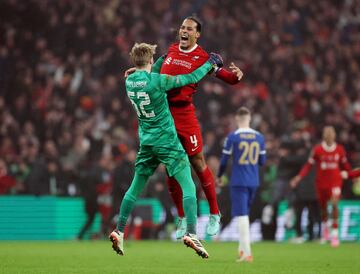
{"x":173,"y":257}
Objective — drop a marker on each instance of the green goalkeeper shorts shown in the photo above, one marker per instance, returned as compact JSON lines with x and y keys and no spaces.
{"x":148,"y":158}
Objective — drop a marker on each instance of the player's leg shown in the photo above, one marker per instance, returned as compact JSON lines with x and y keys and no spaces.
{"x":208,"y":185}
{"x":130,"y":198}
{"x":206,"y":179}
{"x":177,"y":197}
{"x":323,"y":196}
{"x":127,"y":205}
{"x":190,"y":207}
{"x":188,"y":129}
{"x":335,"y":197}
{"x":241,"y":198}
{"x":189,"y":198}
{"x":144,"y":167}
{"x":177,"y":165}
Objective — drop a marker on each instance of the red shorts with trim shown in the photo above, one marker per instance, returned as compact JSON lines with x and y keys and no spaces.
{"x":188,"y":128}
{"x":324,"y":195}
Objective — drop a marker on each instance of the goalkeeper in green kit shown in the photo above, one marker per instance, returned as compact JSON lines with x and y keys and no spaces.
{"x":158,"y":139}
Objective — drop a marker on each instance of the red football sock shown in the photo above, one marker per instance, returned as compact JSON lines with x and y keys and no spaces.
{"x":208,"y":184}
{"x":335,"y":215}
{"x":176,"y":194}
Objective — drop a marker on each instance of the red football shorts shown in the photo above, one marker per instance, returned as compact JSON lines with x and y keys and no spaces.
{"x":188,"y":128}
{"x":324,"y":195}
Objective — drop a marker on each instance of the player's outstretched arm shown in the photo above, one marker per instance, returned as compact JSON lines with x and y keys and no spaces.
{"x":231,"y":77}
{"x":354,"y":173}
{"x":156,"y":67}
{"x":225,"y":155}
{"x":350,"y":174}
{"x":222,"y":167}
{"x":170,"y":82}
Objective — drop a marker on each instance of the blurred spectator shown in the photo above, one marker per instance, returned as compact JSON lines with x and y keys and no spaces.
{"x":7,"y":182}
{"x":305,"y":198}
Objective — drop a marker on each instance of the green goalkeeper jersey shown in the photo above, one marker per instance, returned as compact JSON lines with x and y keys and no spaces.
{"x":147,"y":93}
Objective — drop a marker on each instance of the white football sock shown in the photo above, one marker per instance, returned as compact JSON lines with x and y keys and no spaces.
{"x":244,"y":235}
{"x":335,"y":233}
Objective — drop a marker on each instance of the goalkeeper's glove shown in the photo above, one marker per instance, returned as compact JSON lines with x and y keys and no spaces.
{"x":215,"y":60}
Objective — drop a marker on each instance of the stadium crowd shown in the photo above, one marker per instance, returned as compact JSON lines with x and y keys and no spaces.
{"x":63,"y":110}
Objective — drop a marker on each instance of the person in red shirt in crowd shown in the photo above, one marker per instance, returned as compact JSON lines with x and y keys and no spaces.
{"x":330,"y":159}
{"x":184,"y":57}
{"x":7,"y":182}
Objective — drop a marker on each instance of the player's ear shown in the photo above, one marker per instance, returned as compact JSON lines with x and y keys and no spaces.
{"x":197,"y":35}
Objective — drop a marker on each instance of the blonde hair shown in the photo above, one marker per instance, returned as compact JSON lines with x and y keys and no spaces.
{"x":142,"y":53}
{"x":243,"y":114}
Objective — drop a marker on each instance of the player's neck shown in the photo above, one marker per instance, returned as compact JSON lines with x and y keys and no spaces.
{"x":328,"y":146}
{"x":243,"y":125}
{"x":188,"y":49}
{"x":146,"y":68}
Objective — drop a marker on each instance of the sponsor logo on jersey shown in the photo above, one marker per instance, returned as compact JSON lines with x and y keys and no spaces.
{"x":195,"y":58}
{"x":182,"y":63}
{"x":328,"y":165}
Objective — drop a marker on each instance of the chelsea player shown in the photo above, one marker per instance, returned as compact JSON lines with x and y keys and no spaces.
{"x":247,"y":147}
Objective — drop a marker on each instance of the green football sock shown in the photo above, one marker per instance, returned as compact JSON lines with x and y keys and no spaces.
{"x":189,"y":198}
{"x":190,"y":210}
{"x":129,"y":200}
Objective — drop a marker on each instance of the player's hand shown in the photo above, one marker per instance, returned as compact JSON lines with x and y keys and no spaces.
{"x":216,"y":60}
{"x":219,"y":182}
{"x":295,"y":181}
{"x":344,"y":174}
{"x":128,"y":72}
{"x":236,"y":70}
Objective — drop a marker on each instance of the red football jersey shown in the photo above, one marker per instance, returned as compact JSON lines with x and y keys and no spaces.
{"x":329,"y":160}
{"x":178,"y":62}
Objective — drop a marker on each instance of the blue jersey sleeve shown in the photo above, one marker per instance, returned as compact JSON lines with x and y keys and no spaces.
{"x":262,"y":156}
{"x":228,"y":146}
{"x":226,"y":152}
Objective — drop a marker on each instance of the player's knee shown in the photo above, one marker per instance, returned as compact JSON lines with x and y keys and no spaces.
{"x":198,"y":162}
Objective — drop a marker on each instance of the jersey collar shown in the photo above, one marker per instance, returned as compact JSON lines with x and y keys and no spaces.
{"x":189,"y":50}
{"x":328,"y":148}
{"x":242,"y":129}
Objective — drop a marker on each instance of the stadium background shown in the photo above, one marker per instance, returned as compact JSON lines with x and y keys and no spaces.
{"x":68,"y":134}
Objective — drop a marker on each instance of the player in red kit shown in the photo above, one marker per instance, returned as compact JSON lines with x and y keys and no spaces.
{"x":330,"y":159}
{"x":184,"y":57}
